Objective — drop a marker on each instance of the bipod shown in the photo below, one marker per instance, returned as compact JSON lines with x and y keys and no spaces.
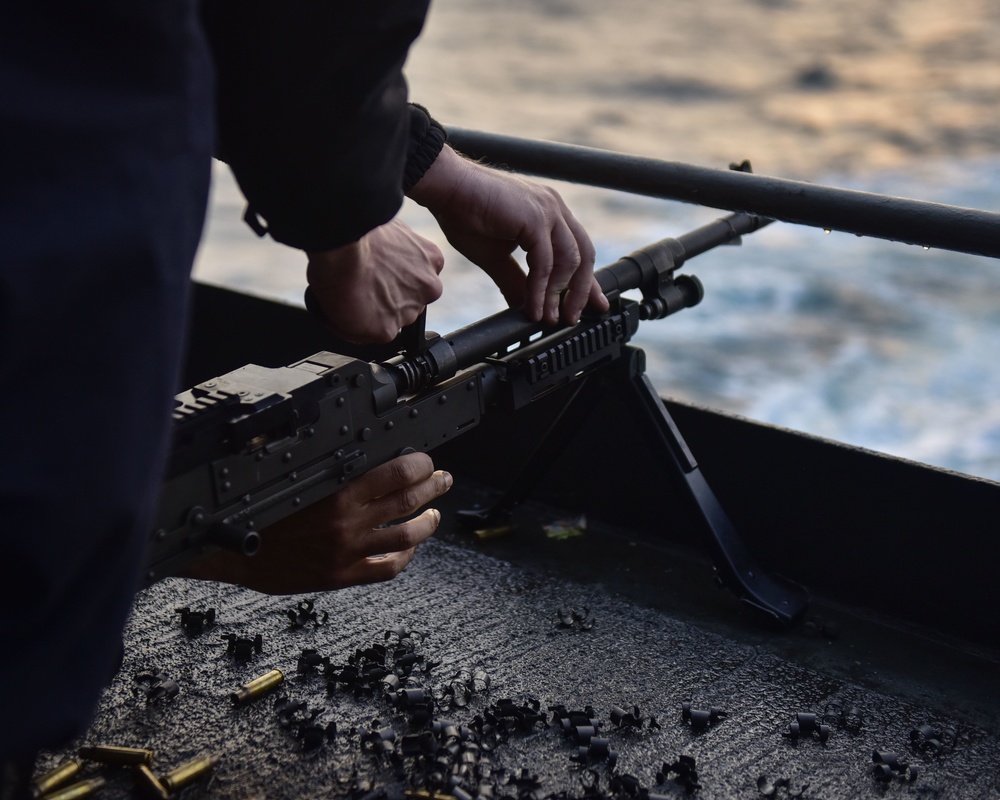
{"x":735,"y":567}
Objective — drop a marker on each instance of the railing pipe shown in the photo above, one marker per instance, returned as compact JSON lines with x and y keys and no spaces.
{"x":918,"y":222}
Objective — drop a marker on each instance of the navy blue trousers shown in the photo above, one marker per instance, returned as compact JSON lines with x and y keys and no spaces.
{"x":105,"y":150}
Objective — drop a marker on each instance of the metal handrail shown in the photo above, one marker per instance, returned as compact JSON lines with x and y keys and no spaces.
{"x":918,"y":222}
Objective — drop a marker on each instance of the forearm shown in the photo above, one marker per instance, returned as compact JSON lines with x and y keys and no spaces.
{"x":443,"y":180}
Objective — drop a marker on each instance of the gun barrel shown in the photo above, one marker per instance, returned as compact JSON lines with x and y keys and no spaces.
{"x":640,"y":269}
{"x":724,"y":230}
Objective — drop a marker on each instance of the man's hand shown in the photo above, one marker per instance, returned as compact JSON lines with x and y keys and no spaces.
{"x":487,"y":214}
{"x":371,"y":288}
{"x":349,"y":538}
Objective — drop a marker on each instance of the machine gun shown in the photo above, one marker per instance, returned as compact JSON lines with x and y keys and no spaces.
{"x":257,"y":444}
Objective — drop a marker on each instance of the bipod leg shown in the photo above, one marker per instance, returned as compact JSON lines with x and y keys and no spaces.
{"x":571,"y":418}
{"x":735,"y":566}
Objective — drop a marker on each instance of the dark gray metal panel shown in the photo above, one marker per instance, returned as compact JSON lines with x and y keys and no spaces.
{"x":873,"y":531}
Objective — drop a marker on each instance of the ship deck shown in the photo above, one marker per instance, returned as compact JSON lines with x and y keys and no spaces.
{"x":602,"y":620}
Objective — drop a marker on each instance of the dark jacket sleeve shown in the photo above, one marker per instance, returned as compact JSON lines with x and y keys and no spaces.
{"x":312,"y":113}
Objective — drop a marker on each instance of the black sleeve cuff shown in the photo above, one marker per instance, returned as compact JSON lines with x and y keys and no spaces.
{"x":427,"y":139}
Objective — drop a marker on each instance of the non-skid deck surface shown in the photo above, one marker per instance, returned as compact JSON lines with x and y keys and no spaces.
{"x":541,"y":639}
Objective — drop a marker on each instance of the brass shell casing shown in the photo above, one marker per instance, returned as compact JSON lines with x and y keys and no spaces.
{"x":494,"y":533}
{"x":149,"y":783}
{"x":54,"y":778}
{"x":188,"y":772}
{"x":258,"y":686}
{"x":80,"y":789}
{"x":110,"y":754}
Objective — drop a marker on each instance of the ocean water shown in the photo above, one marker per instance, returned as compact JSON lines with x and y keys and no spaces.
{"x":881,"y":345}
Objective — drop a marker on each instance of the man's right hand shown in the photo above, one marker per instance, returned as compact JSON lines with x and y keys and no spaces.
{"x":368,"y":290}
